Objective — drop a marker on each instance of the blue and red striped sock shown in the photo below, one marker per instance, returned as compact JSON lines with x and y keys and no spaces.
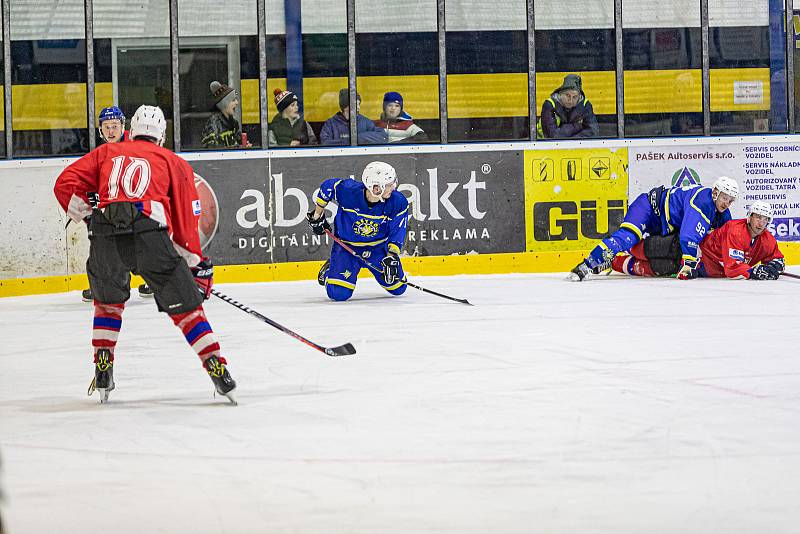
{"x":106,"y":326}
{"x":198,"y":332}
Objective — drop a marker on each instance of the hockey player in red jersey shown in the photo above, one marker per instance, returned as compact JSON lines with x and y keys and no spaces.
{"x":742,"y":248}
{"x":145,"y":223}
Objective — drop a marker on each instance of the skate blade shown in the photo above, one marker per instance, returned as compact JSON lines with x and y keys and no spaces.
{"x":229,"y":395}
{"x":572,"y":277}
{"x":232,"y":399}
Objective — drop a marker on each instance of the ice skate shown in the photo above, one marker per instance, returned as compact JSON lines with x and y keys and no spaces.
{"x":322,"y":276}
{"x":103,"y":380}
{"x":145,"y":291}
{"x":87,"y":295}
{"x":223,"y":382}
{"x":580,"y":272}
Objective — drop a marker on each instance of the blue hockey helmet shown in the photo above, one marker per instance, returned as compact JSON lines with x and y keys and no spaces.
{"x":107,"y":114}
{"x":112,"y":112}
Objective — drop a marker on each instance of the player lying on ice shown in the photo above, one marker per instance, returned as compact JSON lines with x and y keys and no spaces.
{"x":690,"y":210}
{"x":372,"y":219}
{"x":145,"y":223}
{"x":742,"y":248}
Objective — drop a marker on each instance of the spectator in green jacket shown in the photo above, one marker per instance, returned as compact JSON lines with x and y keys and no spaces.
{"x":287,"y":127}
{"x":567,"y":114}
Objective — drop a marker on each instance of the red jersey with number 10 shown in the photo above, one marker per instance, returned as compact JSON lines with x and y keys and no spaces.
{"x":137,"y":171}
{"x":731,"y":252}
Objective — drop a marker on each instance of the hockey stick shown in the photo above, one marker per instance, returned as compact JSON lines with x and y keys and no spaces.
{"x":375,"y":269}
{"x":341,"y":350}
{"x":790,"y":275}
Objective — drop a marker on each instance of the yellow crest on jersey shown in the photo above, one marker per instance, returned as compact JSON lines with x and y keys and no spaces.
{"x":365,"y":227}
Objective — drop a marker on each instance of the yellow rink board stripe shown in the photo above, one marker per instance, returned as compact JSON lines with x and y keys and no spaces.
{"x":522,"y":262}
{"x":469,"y":95}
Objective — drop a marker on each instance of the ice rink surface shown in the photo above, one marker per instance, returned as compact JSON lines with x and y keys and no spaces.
{"x":618,"y":405}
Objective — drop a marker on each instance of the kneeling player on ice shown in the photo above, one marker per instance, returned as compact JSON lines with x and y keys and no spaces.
{"x":372,"y":219}
{"x":690,"y":210}
{"x":145,"y":223}
{"x":742,"y":248}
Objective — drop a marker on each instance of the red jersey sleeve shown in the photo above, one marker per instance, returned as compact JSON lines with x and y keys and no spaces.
{"x":185,"y":209}
{"x":79,"y":178}
{"x":767,"y":248}
{"x":735,"y":244}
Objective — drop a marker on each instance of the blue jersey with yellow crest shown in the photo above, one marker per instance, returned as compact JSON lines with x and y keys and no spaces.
{"x":361,"y":224}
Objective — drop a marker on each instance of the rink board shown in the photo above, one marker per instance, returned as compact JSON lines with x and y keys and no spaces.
{"x":474,"y":209}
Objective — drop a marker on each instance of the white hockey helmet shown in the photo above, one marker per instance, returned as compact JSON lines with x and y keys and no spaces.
{"x":726,"y":185}
{"x":378,"y":173}
{"x":149,"y":121}
{"x":759,"y":207}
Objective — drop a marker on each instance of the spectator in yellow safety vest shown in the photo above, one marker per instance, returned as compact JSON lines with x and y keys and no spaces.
{"x":567,"y":114}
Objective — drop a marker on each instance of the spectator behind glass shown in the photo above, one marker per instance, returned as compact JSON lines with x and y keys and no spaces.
{"x":336,"y":130}
{"x":567,"y":113}
{"x":287,"y":127}
{"x":398,"y":124}
{"x":222,"y":130}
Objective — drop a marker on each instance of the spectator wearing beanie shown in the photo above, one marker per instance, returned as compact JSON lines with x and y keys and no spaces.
{"x":287,"y":127}
{"x":222,"y":130}
{"x":336,"y":130}
{"x":398,"y":124}
{"x":567,"y":113}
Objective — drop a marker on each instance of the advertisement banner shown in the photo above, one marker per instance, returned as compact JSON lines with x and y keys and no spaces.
{"x":574,"y":197}
{"x":460,"y":203}
{"x":767,"y":172}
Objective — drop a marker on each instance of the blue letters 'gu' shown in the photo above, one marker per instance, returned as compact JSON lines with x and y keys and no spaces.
{"x":372,"y":229}
{"x":688,"y":209}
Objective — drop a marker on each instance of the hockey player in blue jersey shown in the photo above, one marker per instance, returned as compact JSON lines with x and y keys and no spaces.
{"x":372,"y":219}
{"x":690,"y":210}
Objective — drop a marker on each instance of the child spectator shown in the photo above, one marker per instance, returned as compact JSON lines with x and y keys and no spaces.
{"x":222,"y":130}
{"x":287,"y":127}
{"x":398,"y":124}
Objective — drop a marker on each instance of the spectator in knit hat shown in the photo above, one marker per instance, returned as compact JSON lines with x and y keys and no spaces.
{"x":287,"y":127}
{"x":222,"y":130}
{"x":567,"y":113}
{"x":336,"y":130}
{"x":398,"y":124}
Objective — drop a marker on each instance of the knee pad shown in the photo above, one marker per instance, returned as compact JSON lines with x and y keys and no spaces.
{"x":338,"y":293}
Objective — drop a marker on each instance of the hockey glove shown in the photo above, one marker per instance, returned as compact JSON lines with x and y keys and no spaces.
{"x":764,"y":272}
{"x":203,"y":274}
{"x":778,"y":264}
{"x":318,"y":226}
{"x":391,"y":269}
{"x":688,"y":270}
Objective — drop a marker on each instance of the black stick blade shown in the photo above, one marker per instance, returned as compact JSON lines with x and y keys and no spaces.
{"x":342,"y":350}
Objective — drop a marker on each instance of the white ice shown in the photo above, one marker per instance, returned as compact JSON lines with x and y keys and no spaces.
{"x":618,"y":405}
